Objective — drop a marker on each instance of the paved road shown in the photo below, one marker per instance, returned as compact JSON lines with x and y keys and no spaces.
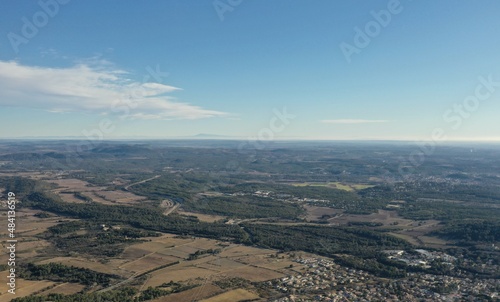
{"x":142,"y":181}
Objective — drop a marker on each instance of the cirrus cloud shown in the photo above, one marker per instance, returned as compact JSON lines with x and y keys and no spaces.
{"x":86,"y":88}
{"x":353,"y":121}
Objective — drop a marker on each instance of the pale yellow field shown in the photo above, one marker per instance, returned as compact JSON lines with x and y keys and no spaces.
{"x":202,"y":243}
{"x":22,"y":246}
{"x":147,"y":263}
{"x":28,"y":225}
{"x":272,"y":263}
{"x":304,"y":184}
{"x":120,"y":196}
{"x":97,"y":193}
{"x":174,"y":252}
{"x":163,"y":242}
{"x":34,"y":175}
{"x":336,"y":185}
{"x":240,"y":250}
{"x":218,"y":264}
{"x":32,"y":228}
{"x":72,"y":184}
{"x":31,"y":249}
{"x":204,"y":217}
{"x":385,"y":217}
{"x":227,"y":263}
{"x":70,"y":197}
{"x":176,"y":273}
{"x":361,"y":186}
{"x":254,"y":274}
{"x":65,"y":288}
{"x":134,"y":252}
{"x":187,"y":248}
{"x":341,"y":186}
{"x":23,"y":288}
{"x":233,"y":296}
{"x":194,"y":294}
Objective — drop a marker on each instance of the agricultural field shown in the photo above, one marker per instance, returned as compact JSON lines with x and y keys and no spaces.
{"x":166,"y":259}
{"x":204,"y":290}
{"x":197,"y":233}
{"x":234,"y":295}
{"x":335,"y":185}
{"x":233,"y":260}
{"x":65,"y":288}
{"x":71,"y":189}
{"x":25,"y":288}
{"x":203,"y":217}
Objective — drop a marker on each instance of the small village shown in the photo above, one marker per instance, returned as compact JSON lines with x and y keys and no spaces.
{"x":324,"y":280}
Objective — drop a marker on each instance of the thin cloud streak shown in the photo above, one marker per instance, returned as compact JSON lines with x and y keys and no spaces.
{"x":353,"y":121}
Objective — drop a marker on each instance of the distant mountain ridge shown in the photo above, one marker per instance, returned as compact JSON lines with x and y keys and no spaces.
{"x":208,"y":135}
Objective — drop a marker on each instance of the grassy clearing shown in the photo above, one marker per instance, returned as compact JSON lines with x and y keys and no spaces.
{"x":233,"y":296}
{"x":65,"y":288}
{"x":335,"y":185}
{"x":203,"y":217}
{"x":361,"y":186}
{"x":203,"y":291}
{"x":23,"y":288}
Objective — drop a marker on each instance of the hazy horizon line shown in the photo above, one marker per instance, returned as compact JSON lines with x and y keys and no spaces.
{"x":248,"y":138}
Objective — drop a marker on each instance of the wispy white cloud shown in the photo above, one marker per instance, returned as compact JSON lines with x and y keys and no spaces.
{"x":49,"y":52}
{"x":353,"y":121}
{"x":90,"y":88}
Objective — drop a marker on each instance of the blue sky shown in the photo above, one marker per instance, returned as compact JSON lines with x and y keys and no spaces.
{"x":231,"y":67}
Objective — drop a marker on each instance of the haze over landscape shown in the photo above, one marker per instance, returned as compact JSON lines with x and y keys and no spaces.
{"x":385,"y":70}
